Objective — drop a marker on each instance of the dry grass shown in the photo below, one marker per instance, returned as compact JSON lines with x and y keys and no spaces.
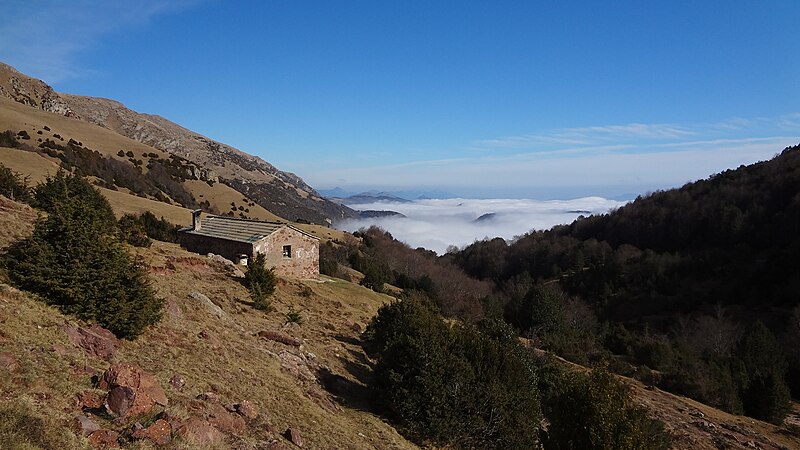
{"x":326,"y":399}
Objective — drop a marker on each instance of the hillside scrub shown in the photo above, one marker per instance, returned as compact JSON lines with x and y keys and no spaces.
{"x":74,"y":260}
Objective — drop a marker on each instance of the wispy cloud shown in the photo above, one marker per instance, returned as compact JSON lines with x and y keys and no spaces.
{"x":592,"y":135}
{"x":43,"y":38}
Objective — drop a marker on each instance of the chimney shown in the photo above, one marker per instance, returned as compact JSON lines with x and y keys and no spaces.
{"x":196,"y":219}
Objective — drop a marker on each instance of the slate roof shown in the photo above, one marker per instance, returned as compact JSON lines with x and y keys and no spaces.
{"x":233,"y":229}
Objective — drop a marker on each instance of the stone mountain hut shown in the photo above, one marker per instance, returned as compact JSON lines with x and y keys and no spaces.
{"x":290,"y":251}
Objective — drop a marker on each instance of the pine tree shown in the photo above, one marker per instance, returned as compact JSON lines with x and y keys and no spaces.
{"x":74,"y":260}
{"x":260,"y":281}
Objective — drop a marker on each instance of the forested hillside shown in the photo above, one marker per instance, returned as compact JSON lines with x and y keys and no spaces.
{"x":700,"y":283}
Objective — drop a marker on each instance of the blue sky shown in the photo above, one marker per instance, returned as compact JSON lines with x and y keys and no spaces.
{"x":533,"y":99}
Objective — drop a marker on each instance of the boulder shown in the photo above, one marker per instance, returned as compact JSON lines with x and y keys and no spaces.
{"x":159,"y":433}
{"x":145,"y":391}
{"x":293,"y":435}
{"x":119,"y":400}
{"x":90,"y":400}
{"x":104,"y":439}
{"x":277,"y":336}
{"x":211,"y":397}
{"x":208,"y":304}
{"x":247,"y":409}
{"x":85,"y":425}
{"x":226,"y":422}
{"x":95,"y":340}
{"x":198,"y":431}
{"x":177,"y":382}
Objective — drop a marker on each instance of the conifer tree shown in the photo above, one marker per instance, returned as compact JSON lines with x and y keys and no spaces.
{"x":74,"y":260}
{"x":260,"y":281}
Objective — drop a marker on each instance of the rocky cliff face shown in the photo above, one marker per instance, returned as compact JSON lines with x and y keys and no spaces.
{"x":283,"y":193}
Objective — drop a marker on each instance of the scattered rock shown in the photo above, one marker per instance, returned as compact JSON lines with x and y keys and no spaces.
{"x":210,"y":397}
{"x":146,"y":391}
{"x":225,"y":421}
{"x":277,"y":445}
{"x":177,"y":382}
{"x":247,"y":409}
{"x":119,"y":400}
{"x":232,"y":269}
{"x":296,"y":365}
{"x":8,"y":362}
{"x":353,"y":325}
{"x":208,"y":304}
{"x":85,"y":425}
{"x":104,"y":439}
{"x":293,"y":435}
{"x":159,"y":433}
{"x":90,"y":400}
{"x":210,"y":337}
{"x":277,"y":336}
{"x":95,"y":340}
{"x":198,"y":431}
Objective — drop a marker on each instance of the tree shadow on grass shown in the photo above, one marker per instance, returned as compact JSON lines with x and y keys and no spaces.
{"x":351,"y":393}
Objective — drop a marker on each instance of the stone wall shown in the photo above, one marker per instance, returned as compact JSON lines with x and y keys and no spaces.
{"x":304,"y":259}
{"x":204,"y":245}
{"x":302,"y":263}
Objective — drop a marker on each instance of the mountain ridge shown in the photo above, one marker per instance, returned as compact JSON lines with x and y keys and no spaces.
{"x":282,"y":193}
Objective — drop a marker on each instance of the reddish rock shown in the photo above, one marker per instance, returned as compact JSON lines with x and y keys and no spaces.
{"x":95,"y":340}
{"x":172,"y":309}
{"x":353,"y":325}
{"x":104,"y":439}
{"x":85,"y":425}
{"x":247,"y":409}
{"x":8,"y":362}
{"x":277,"y":336}
{"x":293,"y":435}
{"x":146,"y":390}
{"x":198,"y":431}
{"x":59,"y":350}
{"x":226,"y":422}
{"x":119,"y":400}
{"x":211,"y":397}
{"x":177,"y":382}
{"x":90,"y":400}
{"x":159,"y":433}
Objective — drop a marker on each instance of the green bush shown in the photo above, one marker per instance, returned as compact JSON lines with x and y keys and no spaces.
{"x":132,"y":231}
{"x":74,"y":260}
{"x":759,"y":369}
{"x":260,"y":281}
{"x":594,"y":411}
{"x":461,"y":386}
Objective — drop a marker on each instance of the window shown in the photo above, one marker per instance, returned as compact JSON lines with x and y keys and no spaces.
{"x":287,"y":251}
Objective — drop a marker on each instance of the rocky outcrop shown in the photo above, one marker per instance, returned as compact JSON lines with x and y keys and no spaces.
{"x":132,"y":391}
{"x":95,"y":340}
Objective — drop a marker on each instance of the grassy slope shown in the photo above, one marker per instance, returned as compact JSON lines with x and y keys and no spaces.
{"x":16,"y":117}
{"x":231,"y":361}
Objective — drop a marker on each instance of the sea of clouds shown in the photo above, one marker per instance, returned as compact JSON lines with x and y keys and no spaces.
{"x":438,"y":224}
